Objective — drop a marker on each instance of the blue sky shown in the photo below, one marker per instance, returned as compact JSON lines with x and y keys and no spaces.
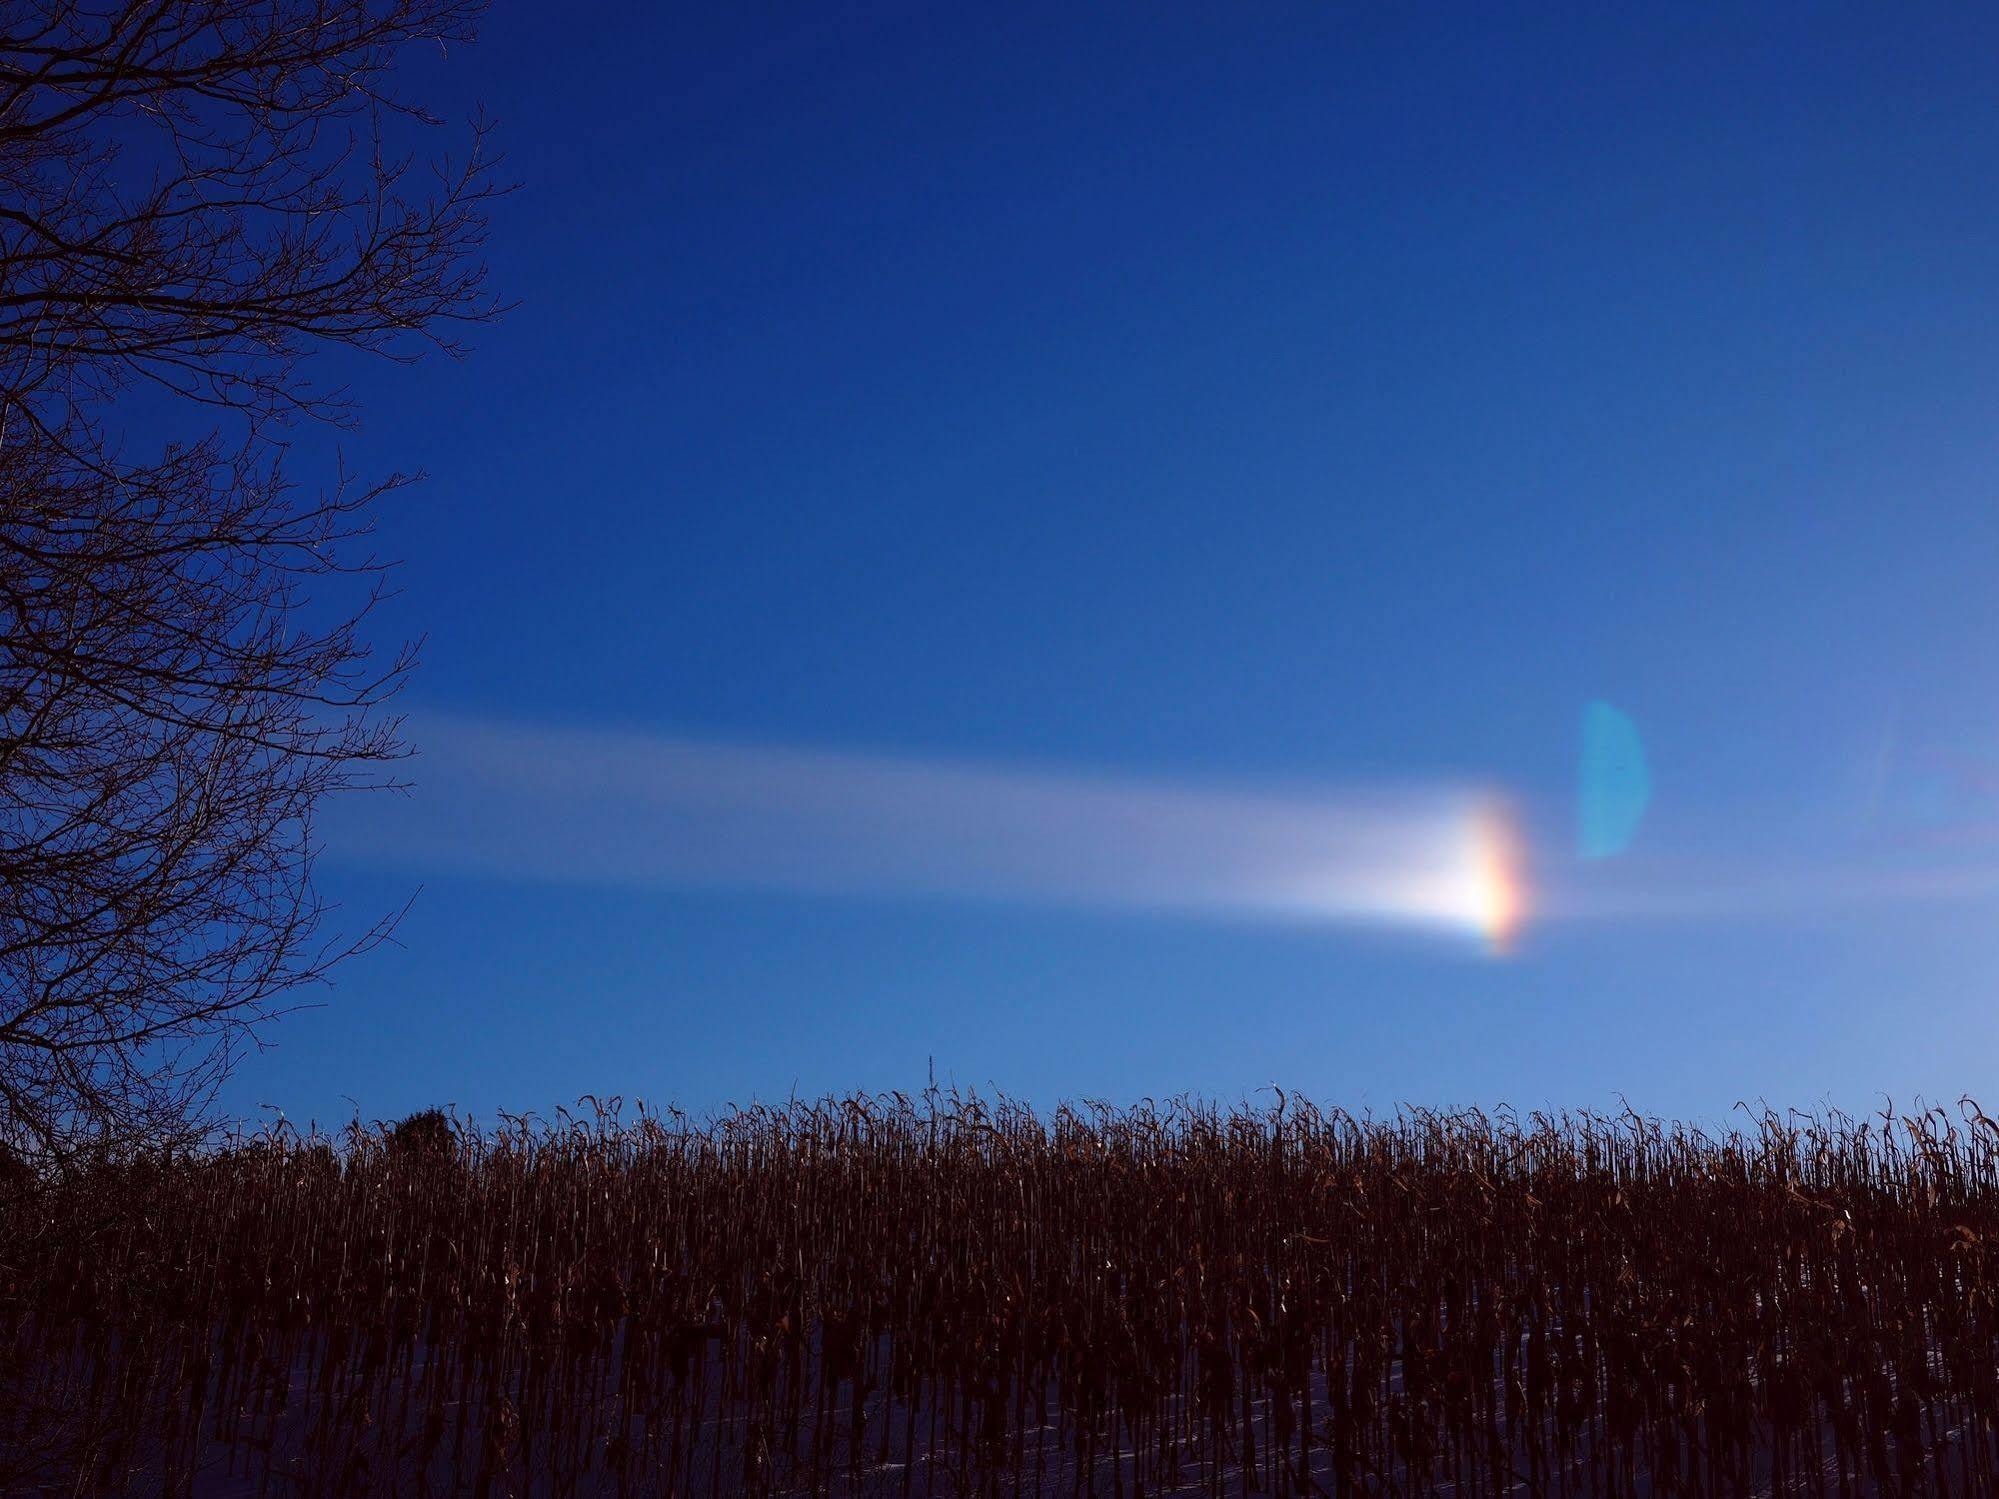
{"x":1294,"y":401}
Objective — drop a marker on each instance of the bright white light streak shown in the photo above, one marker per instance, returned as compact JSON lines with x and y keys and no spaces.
{"x":650,"y":811}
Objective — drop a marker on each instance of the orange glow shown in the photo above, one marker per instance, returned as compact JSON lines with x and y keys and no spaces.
{"x":1500,"y":857}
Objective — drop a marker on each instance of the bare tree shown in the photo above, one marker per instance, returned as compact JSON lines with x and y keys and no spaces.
{"x":194,"y":194}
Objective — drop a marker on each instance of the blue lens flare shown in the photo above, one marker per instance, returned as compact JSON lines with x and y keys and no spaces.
{"x":1615,"y":786}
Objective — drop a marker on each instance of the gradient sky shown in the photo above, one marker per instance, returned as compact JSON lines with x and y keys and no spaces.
{"x":1290,"y":397}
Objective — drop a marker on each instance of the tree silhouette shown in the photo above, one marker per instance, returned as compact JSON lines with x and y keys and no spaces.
{"x":194,"y":195}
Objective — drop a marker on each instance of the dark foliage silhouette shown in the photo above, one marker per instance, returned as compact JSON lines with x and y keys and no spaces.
{"x":941,"y":1295}
{"x":193,"y":197}
{"x":426,"y":1132}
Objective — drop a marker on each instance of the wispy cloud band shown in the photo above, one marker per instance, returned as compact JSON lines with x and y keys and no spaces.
{"x":650,"y":810}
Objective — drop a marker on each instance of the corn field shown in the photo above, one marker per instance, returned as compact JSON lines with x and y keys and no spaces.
{"x":949,"y":1295}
